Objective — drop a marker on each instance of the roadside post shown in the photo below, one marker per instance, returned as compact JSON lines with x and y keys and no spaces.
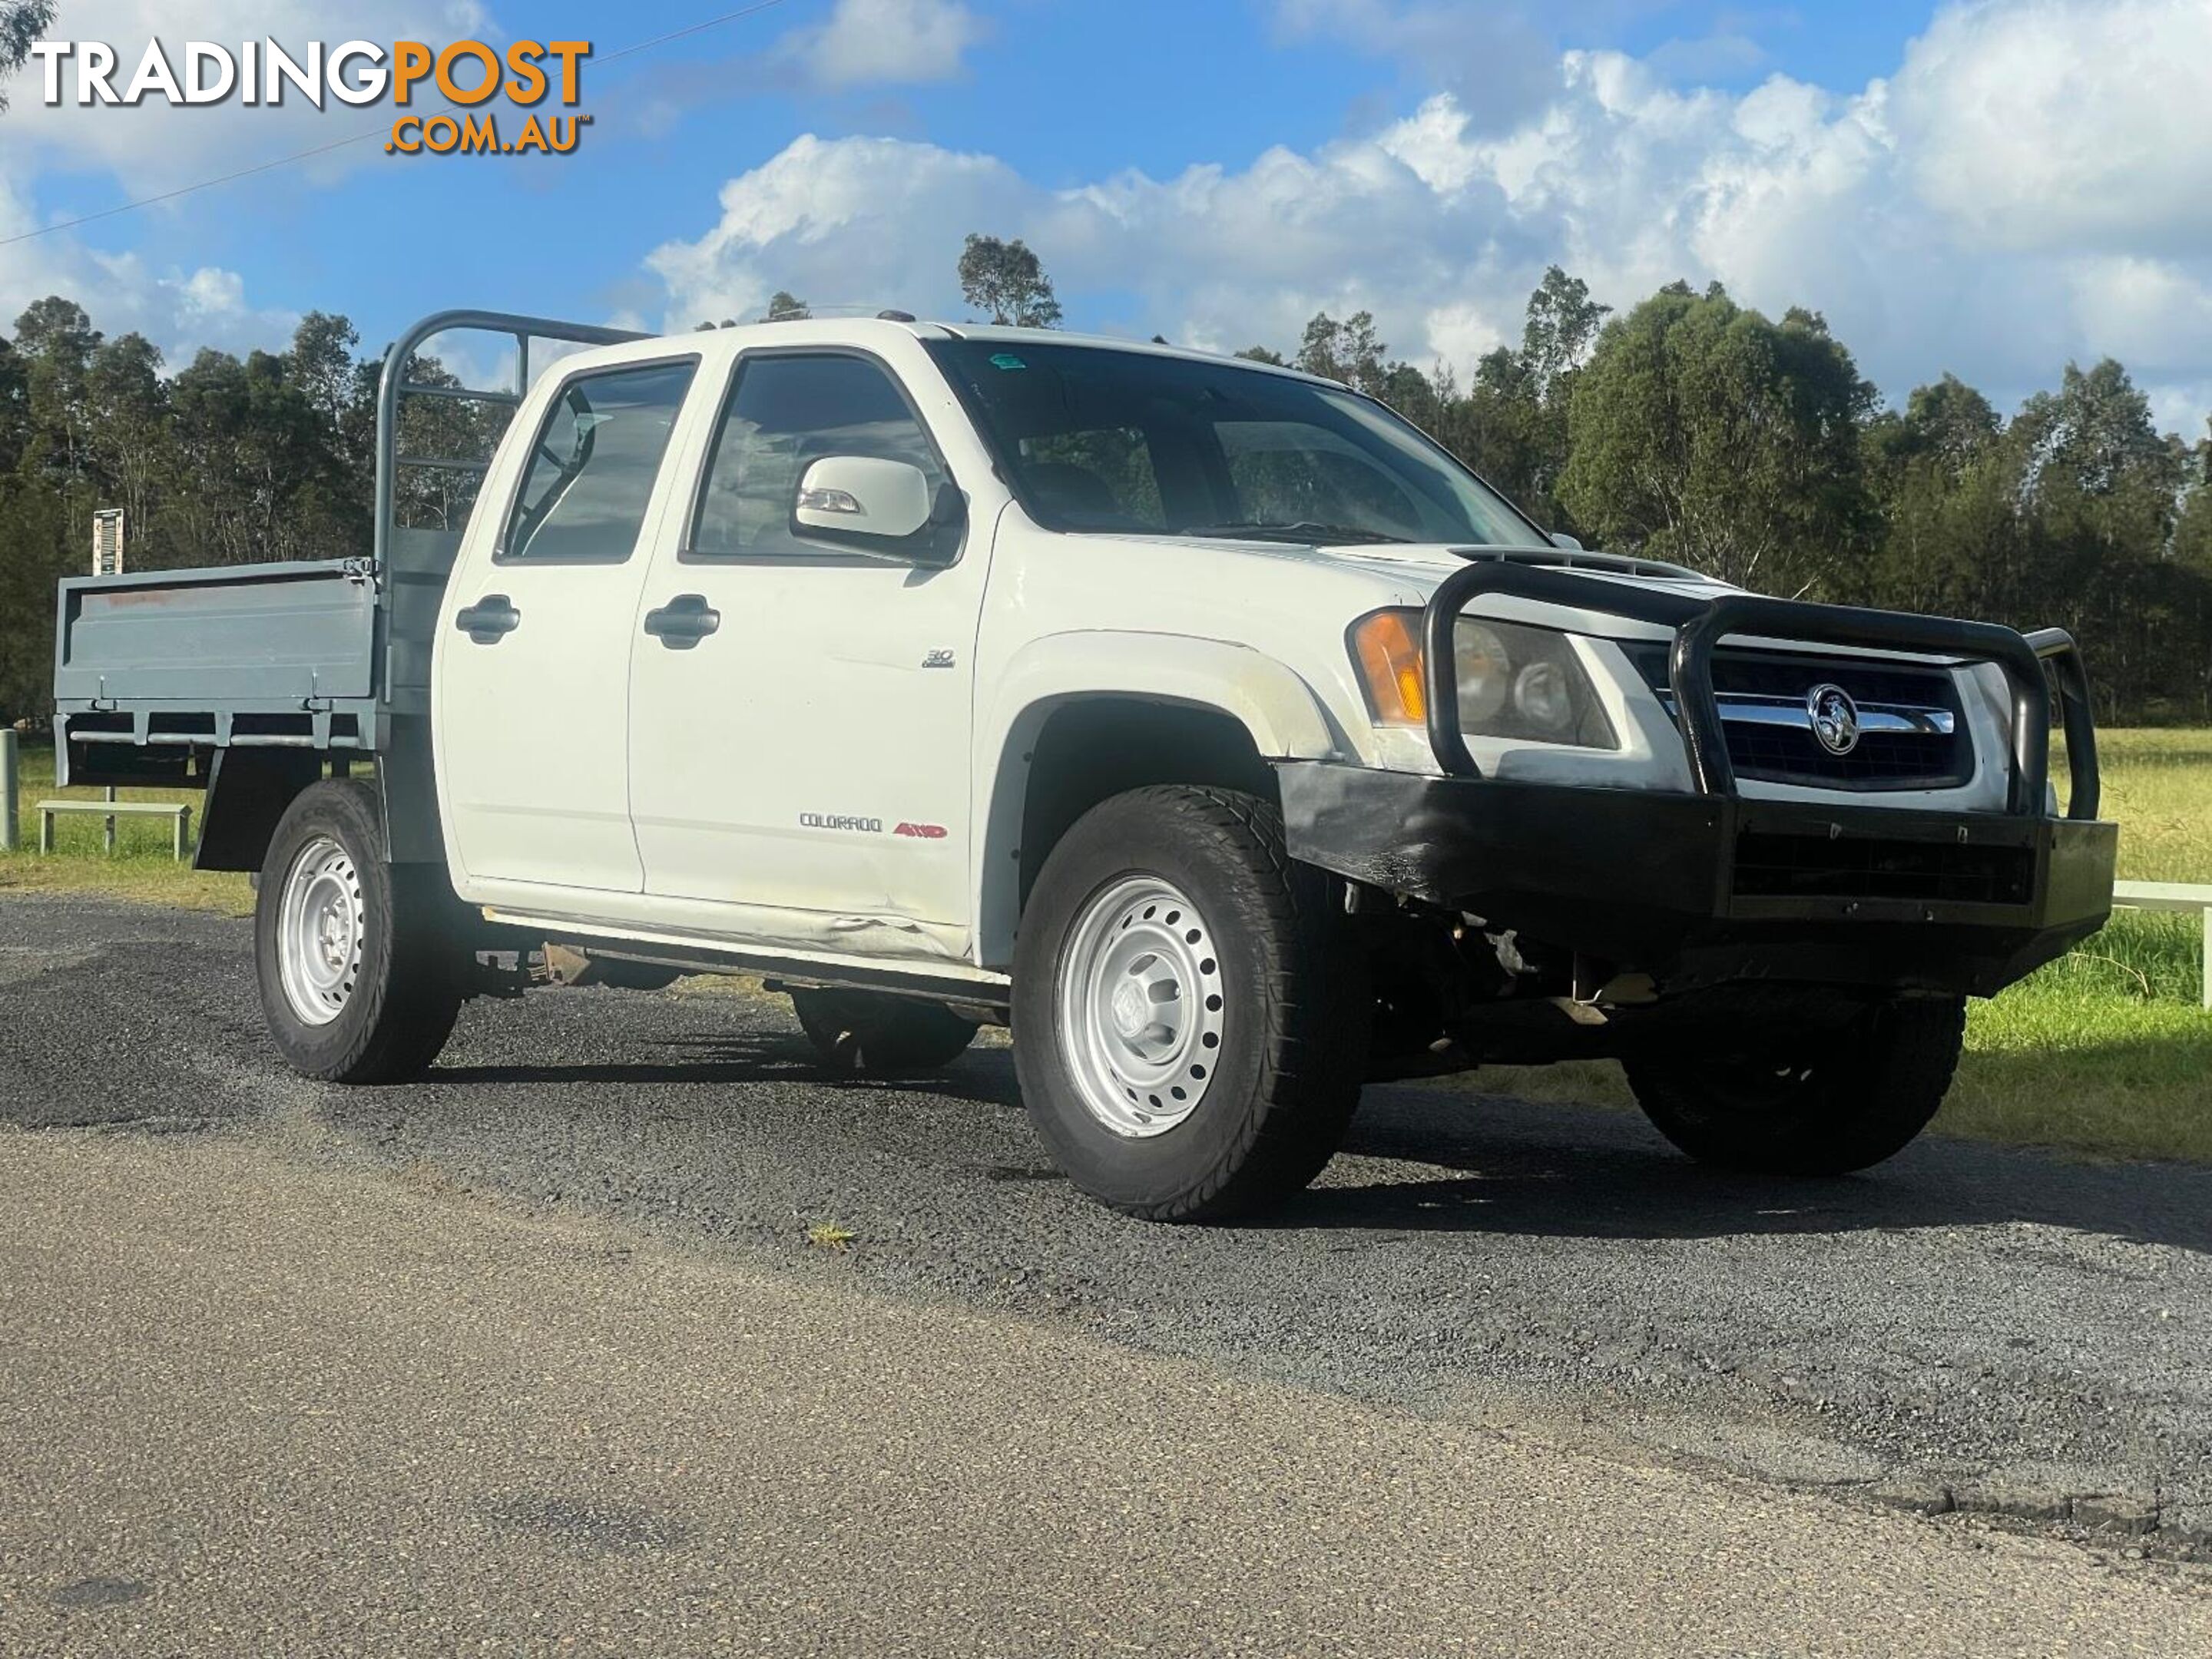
{"x":10,"y":831}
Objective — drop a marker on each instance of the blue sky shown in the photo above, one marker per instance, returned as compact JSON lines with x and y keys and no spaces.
{"x":1987,"y":188}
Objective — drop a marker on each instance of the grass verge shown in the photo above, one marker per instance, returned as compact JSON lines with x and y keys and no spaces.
{"x":141,"y":868}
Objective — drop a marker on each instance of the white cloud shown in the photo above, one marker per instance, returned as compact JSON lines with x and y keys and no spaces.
{"x":2043,"y":123}
{"x":180,"y":311}
{"x":887,"y":42}
{"x":1891,"y":209}
{"x":850,"y":221}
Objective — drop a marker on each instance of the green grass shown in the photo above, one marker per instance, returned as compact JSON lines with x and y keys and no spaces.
{"x":2158,"y":788}
{"x":2106,"y":1052}
{"x":142,"y":867}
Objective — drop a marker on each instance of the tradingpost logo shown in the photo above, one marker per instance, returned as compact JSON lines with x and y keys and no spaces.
{"x":468,"y":75}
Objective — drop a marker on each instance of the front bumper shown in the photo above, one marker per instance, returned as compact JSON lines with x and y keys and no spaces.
{"x":1708,"y":889}
{"x":1699,"y":890}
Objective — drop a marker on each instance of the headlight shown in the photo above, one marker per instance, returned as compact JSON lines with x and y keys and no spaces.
{"x":1514,"y":681}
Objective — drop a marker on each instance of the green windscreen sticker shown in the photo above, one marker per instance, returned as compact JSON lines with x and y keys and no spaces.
{"x":1006,"y":360}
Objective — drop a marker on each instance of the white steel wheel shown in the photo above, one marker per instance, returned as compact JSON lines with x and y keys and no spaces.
{"x":1188,"y":1013}
{"x":1141,"y":1006}
{"x":361,"y":961}
{"x":321,"y":928}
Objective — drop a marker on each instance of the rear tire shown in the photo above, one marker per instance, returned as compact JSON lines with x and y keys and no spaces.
{"x":1848,"y":1100}
{"x":867,"y":1034}
{"x":1190,"y":1023}
{"x":354,"y":954}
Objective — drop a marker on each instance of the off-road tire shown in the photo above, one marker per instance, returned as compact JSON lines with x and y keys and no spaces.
{"x":1293,"y":1049}
{"x":867,"y":1034}
{"x":407,"y":991}
{"x":1848,"y":1100}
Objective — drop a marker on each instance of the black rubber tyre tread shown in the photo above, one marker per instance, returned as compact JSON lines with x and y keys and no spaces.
{"x":409,"y":993}
{"x":1866,"y":1099}
{"x":1298,"y":1052}
{"x":868,"y":1034}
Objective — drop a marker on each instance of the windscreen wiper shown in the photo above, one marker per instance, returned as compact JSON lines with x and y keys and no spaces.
{"x":1304,"y":531}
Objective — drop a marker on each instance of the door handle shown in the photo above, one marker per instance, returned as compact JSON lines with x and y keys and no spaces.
{"x":682,"y":622}
{"x":489,"y":620}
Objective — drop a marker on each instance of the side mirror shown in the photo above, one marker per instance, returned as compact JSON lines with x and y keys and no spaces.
{"x":1572,"y":543}
{"x":884,"y":509}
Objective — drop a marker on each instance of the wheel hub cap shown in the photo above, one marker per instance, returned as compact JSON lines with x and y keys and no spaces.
{"x":1141,"y":1006}
{"x":320,"y":926}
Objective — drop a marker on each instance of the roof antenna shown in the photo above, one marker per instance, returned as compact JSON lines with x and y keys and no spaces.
{"x":894,"y":316}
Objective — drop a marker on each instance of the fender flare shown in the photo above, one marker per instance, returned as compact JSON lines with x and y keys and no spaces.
{"x":1285,"y":720}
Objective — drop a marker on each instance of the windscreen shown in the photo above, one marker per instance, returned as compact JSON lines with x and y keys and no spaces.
{"x":1098,"y":440}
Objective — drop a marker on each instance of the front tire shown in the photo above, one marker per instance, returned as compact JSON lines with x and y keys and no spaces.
{"x":1844,"y":1101}
{"x":353,"y":953}
{"x":1189,"y":1031}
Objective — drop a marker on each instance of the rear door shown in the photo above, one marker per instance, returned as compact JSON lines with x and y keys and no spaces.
{"x":810,"y":756}
{"x":532,"y":677}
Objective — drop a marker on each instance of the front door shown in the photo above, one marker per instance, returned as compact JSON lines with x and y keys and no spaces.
{"x":533,"y":678}
{"x":810,"y":756}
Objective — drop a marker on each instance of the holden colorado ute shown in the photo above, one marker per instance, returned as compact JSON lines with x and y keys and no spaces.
{"x":1202,"y":720}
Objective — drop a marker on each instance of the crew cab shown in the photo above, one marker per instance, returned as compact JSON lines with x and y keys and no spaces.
{"x":1202,"y":721}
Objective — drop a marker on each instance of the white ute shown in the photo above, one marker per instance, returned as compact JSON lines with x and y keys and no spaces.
{"x":1201,"y":720}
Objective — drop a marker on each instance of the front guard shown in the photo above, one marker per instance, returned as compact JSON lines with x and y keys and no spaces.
{"x":1699,"y":890}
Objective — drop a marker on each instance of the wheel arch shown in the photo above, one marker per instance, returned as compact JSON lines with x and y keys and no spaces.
{"x":250,"y":789}
{"x":1082,"y":716}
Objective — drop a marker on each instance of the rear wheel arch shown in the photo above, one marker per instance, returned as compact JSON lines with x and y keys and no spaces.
{"x":248,"y":792}
{"x":250,"y":788}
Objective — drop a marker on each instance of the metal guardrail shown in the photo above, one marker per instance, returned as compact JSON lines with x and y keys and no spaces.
{"x":2172,"y":895}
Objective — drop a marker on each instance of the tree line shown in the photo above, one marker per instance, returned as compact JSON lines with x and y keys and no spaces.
{"x":1696,"y":430}
{"x":1690,"y":428}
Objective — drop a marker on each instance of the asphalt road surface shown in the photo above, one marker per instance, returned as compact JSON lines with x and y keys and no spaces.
{"x":537,"y":1355}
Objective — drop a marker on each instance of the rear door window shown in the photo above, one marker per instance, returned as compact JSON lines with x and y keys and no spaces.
{"x":597,"y":458}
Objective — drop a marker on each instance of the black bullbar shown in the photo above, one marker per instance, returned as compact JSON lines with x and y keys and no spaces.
{"x":1708,"y":887}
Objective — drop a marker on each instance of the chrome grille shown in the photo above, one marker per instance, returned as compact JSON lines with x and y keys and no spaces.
{"x":1912,"y":731}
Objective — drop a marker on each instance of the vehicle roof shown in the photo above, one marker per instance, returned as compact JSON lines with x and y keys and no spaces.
{"x":859,"y":330}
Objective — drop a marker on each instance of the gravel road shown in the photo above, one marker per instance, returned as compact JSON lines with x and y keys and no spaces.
{"x":1964,"y":1328}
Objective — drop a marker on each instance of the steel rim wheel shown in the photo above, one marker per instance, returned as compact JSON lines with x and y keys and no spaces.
{"x":1141,"y":1006}
{"x":320,"y":929}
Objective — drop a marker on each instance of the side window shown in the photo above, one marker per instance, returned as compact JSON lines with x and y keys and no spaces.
{"x":1101,"y":480}
{"x":591,"y":474}
{"x":787,"y":413}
